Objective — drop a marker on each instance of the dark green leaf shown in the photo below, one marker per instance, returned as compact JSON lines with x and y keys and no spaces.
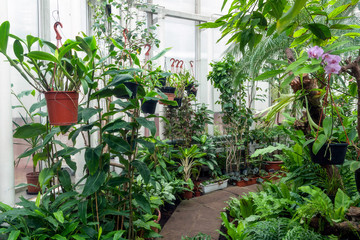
{"x":92,"y":156}
{"x":4,"y":36}
{"x":30,"y":130}
{"x":65,"y":180}
{"x":38,"y":55}
{"x":19,"y":50}
{"x":116,"y":143}
{"x":93,"y":183}
{"x":147,"y":124}
{"x":83,"y":211}
{"x":321,"y":31}
{"x":142,"y":169}
{"x":268,"y":74}
{"x":142,"y":202}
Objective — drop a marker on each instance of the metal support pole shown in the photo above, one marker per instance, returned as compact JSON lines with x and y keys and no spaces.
{"x":7,"y":186}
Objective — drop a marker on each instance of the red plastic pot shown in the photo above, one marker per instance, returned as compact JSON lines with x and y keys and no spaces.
{"x":33,"y":178}
{"x":241,"y":183}
{"x":62,"y":107}
{"x":275,"y":165}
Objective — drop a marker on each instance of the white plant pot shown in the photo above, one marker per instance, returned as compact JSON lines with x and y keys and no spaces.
{"x":214,"y":186}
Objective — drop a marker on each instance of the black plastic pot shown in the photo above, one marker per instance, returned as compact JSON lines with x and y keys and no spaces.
{"x":189,"y":86}
{"x":357,"y":179}
{"x":189,"y":92}
{"x":168,"y":89}
{"x":178,"y":100}
{"x":162,"y":81}
{"x":149,"y":106}
{"x":122,"y":93}
{"x":329,"y":154}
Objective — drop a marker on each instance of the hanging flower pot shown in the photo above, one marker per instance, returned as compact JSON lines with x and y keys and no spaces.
{"x":122,"y":93}
{"x":149,"y":106}
{"x":178,"y":100}
{"x":329,"y":154}
{"x":33,"y":179}
{"x":169,"y":92}
{"x":162,"y":81}
{"x":62,"y":107}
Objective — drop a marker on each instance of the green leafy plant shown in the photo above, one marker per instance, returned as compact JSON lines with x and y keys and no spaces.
{"x":61,"y":70}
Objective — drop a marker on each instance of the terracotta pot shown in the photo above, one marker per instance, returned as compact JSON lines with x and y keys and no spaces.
{"x":169,"y":92}
{"x":33,"y":178}
{"x":156,"y":221}
{"x":275,"y":165}
{"x":197,"y":194}
{"x":251,"y":181}
{"x":241,"y":183}
{"x":62,"y":107}
{"x":187,"y":195}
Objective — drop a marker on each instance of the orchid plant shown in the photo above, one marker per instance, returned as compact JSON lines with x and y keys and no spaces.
{"x":329,"y":133}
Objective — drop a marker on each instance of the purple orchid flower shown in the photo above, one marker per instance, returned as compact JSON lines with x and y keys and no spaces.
{"x":332,"y":68}
{"x":315,"y":52}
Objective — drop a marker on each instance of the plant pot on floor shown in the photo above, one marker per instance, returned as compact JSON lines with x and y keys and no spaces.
{"x":329,"y":154}
{"x":274,"y":165}
{"x":33,"y":179}
{"x":149,"y":106}
{"x":121,"y":92}
{"x":241,"y":183}
{"x":357,"y":179}
{"x":187,"y":194}
{"x":62,"y":107}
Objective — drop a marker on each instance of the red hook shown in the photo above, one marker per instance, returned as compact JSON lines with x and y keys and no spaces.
{"x":148,"y":51}
{"x":58,"y":36}
{"x":178,"y":62}
{"x":182,"y":63}
{"x":125,"y":31}
{"x":173,"y":63}
{"x":192,"y":63}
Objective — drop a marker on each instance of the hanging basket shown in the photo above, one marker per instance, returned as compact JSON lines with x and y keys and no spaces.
{"x":62,"y":107}
{"x":122,"y":93}
{"x":178,"y":100}
{"x":329,"y":154}
{"x":149,"y":106}
{"x":169,"y":92}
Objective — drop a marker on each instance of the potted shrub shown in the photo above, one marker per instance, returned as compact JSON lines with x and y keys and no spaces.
{"x":58,"y":74}
{"x":33,"y":134}
{"x":189,"y":159}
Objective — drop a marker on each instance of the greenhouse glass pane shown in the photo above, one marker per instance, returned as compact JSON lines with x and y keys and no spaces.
{"x":179,"y":34}
{"x":73,"y":16}
{"x":178,"y":5}
{"x":21,"y":27}
{"x":211,"y":7}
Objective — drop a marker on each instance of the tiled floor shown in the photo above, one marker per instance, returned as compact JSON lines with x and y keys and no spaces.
{"x":201,"y":214}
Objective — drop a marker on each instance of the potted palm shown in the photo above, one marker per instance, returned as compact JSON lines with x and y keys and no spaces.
{"x":59,"y":74}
